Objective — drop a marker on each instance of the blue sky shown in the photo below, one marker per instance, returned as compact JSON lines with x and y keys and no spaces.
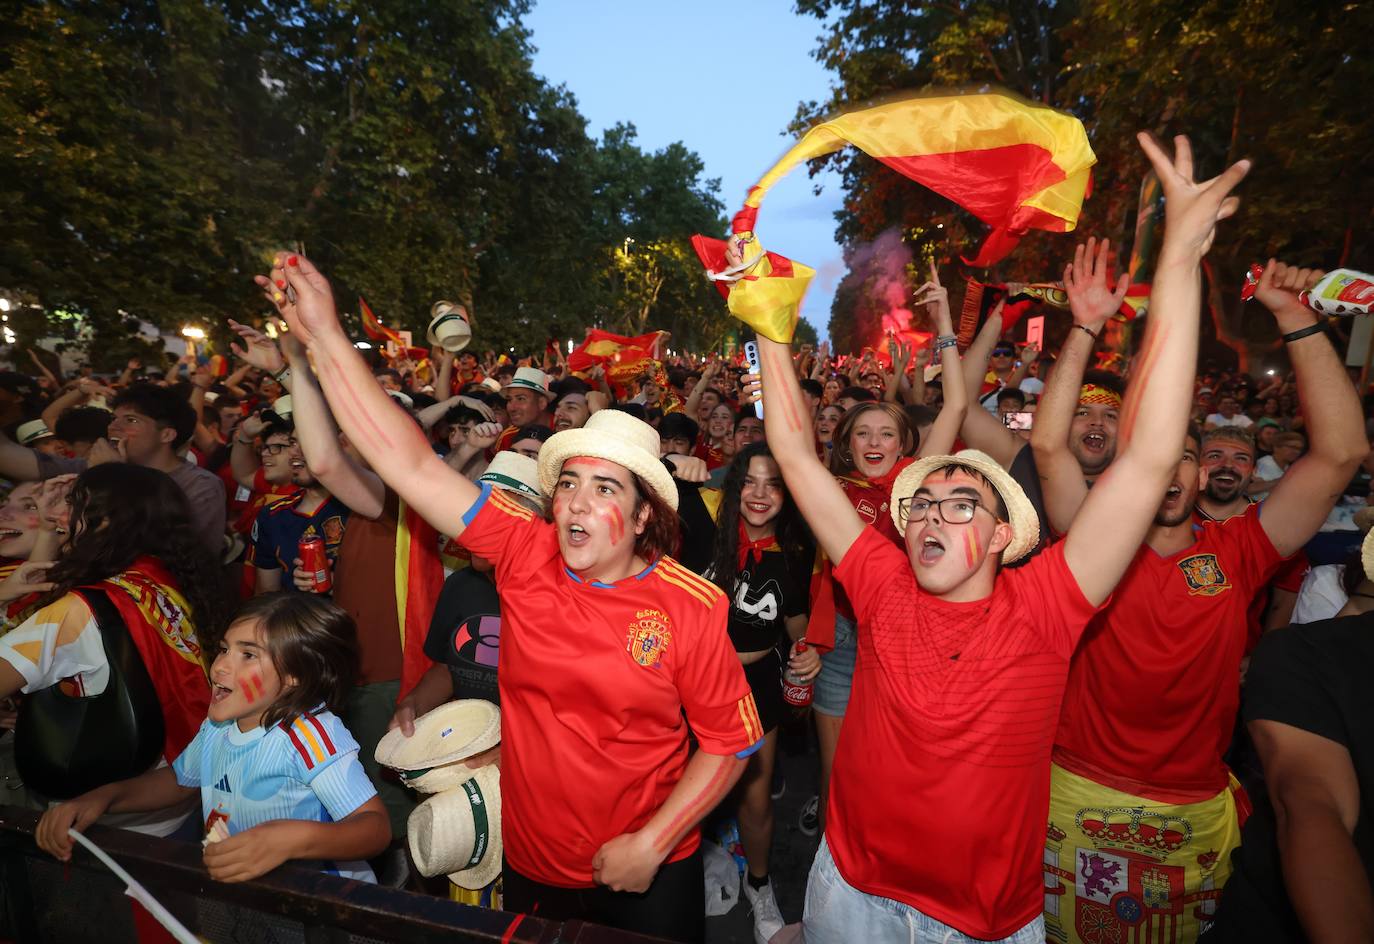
{"x":659,"y":64}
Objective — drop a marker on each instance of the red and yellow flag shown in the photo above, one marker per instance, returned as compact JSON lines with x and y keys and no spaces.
{"x":622,"y":358}
{"x":380,"y":332}
{"x":1014,"y":164}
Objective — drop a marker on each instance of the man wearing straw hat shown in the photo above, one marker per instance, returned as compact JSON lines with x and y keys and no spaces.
{"x":527,"y":400}
{"x":610,"y":648}
{"x":940,"y":786}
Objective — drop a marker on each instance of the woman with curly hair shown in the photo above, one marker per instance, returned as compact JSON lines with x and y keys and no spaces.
{"x":762,"y":561}
{"x":112,"y":662}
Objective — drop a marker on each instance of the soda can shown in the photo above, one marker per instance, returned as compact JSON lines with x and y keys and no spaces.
{"x":315,"y":561}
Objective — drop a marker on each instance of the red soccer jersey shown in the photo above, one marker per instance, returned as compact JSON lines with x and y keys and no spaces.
{"x":1155,"y":686}
{"x":941,"y":781}
{"x":594,"y":679}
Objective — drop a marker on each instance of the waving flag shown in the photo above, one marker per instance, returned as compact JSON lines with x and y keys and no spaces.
{"x":1015,"y":165}
{"x":622,"y":358}
{"x":380,"y":332}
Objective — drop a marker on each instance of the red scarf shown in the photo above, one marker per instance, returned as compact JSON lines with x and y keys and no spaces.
{"x":820,"y":628}
{"x":161,"y":625}
{"x":754,"y":548}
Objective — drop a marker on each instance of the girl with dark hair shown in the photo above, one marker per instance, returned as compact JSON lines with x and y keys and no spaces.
{"x":277,"y":773}
{"x":112,"y":660}
{"x":762,"y":560}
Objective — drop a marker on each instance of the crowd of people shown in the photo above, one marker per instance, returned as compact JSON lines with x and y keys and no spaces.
{"x":526,"y":627}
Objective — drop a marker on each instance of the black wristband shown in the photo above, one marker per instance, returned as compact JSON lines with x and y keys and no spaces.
{"x":1088,"y":331}
{"x":1301,"y":333}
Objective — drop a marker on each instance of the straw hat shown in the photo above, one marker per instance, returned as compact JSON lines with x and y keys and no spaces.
{"x":492,"y":384}
{"x":529,"y":378}
{"x":514,"y":472}
{"x":429,"y":759}
{"x":32,"y":431}
{"x":458,"y":832}
{"x":282,"y":406}
{"x":1025,"y":524}
{"x":616,"y":437}
{"x":449,"y":327}
{"x":1363,"y":518}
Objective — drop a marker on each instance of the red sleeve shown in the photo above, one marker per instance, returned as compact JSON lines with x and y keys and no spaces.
{"x":1291,"y":573}
{"x":873,"y":571}
{"x":1250,"y":551}
{"x":505,"y":532}
{"x":710,"y":681}
{"x":1049,"y":595}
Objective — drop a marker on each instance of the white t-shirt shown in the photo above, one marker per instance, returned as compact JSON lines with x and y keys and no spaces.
{"x":1240,"y":419}
{"x":45,"y":653}
{"x":1267,"y":470}
{"x":1321,"y":595}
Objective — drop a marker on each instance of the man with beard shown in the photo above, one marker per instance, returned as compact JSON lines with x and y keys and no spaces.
{"x":1228,"y":455}
{"x":1153,"y":689}
{"x":571,"y":411}
{"x":527,"y":400}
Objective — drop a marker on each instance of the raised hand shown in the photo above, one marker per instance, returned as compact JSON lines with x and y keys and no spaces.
{"x":1280,"y":284}
{"x":484,"y":435}
{"x":308,"y":306}
{"x":1030,"y":353}
{"x":1192,"y":209}
{"x":1087,"y":281}
{"x":258,"y":349}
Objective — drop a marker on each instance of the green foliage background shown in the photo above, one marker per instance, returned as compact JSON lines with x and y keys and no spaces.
{"x":155,"y":153}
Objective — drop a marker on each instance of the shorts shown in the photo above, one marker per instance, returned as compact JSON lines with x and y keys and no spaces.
{"x":837,"y":913}
{"x":765,"y":681}
{"x":837,"y":670}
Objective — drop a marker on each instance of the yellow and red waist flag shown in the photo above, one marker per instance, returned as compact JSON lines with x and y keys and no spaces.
{"x":1014,"y":164}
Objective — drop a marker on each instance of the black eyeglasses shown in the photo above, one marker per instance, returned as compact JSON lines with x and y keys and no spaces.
{"x":275,"y":449}
{"x":957,"y":510}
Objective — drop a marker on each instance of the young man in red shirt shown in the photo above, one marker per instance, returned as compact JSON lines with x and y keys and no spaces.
{"x":610,"y":649}
{"x":941,"y":776}
{"x":1143,"y":810}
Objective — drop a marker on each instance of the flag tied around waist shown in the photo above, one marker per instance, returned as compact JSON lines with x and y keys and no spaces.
{"x":1014,"y":164}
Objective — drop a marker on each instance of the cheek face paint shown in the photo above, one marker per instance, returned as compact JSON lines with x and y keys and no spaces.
{"x":617,"y":523}
{"x":971,"y":547}
{"x":254,"y":687}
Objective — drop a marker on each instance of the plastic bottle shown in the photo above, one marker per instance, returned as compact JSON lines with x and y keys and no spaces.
{"x":796,"y":692}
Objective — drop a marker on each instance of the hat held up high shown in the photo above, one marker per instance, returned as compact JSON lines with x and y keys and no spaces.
{"x":449,"y":326}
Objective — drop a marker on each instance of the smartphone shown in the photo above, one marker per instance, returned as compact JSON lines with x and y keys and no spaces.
{"x":1018,"y":420}
{"x":751,"y":357}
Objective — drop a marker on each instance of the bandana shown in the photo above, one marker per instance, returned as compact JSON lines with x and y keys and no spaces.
{"x":754,"y":548}
{"x":1093,"y":395}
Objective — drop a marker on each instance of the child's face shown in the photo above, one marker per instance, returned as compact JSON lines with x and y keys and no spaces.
{"x":243,"y":681}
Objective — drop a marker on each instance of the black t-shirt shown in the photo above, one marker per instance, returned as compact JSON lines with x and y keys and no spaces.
{"x":697,"y":528}
{"x":1314,"y":677}
{"x":465,"y":634}
{"x":766,"y":593}
{"x":1023,"y":470}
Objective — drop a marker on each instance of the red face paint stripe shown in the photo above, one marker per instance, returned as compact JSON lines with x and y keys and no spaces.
{"x":970,"y":546}
{"x":324,"y":735}
{"x":617,"y":522}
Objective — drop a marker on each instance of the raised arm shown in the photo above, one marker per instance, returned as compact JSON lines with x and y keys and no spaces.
{"x":790,"y":437}
{"x":359,"y":488}
{"x":69,"y":399}
{"x":443,"y":381}
{"x":392,"y":444}
{"x":244,"y":460}
{"x":1118,"y":511}
{"x":1092,"y":301}
{"x":980,"y":429}
{"x":1301,"y":500}
{"x":945,"y":429}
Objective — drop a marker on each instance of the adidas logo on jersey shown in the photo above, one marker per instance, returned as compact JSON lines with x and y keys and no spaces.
{"x":223,"y":785}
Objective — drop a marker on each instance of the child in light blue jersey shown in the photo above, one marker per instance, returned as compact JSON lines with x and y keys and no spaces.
{"x":278,"y":774}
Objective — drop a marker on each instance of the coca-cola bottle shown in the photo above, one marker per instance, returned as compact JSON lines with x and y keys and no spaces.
{"x":795,"y":691}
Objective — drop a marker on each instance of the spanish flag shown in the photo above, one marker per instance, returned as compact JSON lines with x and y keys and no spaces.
{"x":380,"y":332}
{"x":1014,"y":164}
{"x":419,"y":577}
{"x":622,"y":358}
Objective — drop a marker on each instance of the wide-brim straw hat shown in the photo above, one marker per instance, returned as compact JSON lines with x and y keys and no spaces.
{"x":1367,"y":548}
{"x":515,"y":473}
{"x":616,"y":437}
{"x":449,"y":327}
{"x":458,"y":832}
{"x":430,"y":760}
{"x":33,"y":431}
{"x":1025,"y":523}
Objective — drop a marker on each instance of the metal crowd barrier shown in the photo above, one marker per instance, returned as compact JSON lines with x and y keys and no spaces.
{"x":49,"y":902}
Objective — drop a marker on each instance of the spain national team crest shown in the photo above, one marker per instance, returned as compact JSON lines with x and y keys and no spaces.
{"x":649,"y":637}
{"x":1204,"y":575}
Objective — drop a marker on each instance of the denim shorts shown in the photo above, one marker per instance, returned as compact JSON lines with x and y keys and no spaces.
{"x":838,"y":912}
{"x":837,"y":670}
